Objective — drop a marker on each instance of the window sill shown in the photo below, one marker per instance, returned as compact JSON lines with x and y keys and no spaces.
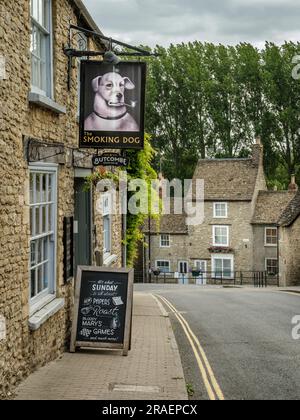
{"x":44,"y":102}
{"x":42,"y":316}
{"x":109,"y":260}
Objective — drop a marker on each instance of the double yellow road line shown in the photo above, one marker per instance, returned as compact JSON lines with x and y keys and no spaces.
{"x":212,"y":387}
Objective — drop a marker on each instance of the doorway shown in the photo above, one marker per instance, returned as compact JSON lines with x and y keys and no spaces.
{"x":202,"y":266}
{"x":183,"y":269}
{"x":82,"y":224}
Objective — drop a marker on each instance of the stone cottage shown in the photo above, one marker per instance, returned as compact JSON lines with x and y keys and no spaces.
{"x":289,"y":244}
{"x":223,"y":244}
{"x":160,"y":249}
{"x":42,"y":176}
{"x":268,"y":210}
{"x":240,"y":229}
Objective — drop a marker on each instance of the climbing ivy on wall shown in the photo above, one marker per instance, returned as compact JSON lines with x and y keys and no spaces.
{"x":140,"y":167}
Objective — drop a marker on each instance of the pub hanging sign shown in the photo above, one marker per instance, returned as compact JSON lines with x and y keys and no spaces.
{"x":112,"y":105}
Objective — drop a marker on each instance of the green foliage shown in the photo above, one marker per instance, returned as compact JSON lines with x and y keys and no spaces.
{"x":190,"y":390}
{"x":140,"y":167}
{"x":98,"y":175}
{"x":206,"y":100}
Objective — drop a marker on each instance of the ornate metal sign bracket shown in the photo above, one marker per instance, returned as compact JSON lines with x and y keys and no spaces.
{"x":76,"y":32}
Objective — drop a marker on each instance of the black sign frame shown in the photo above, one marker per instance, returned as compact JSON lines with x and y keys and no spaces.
{"x":126,"y":342}
{"x":92,"y":139}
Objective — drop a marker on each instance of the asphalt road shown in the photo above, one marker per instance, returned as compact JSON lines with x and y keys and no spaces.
{"x":246,"y":335}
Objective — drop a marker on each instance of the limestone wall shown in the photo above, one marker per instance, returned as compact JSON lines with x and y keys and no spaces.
{"x":22,"y":350}
{"x":289,"y":251}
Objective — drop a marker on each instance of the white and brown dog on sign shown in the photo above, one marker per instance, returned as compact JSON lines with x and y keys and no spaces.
{"x":110,"y":110}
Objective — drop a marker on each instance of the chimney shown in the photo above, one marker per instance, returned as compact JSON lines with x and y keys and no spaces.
{"x":293,"y":187}
{"x":258,"y":152}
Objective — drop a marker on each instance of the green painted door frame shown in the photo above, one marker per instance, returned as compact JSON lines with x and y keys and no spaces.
{"x":82,"y":224}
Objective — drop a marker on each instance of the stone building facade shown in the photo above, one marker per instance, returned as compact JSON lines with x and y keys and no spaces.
{"x":223,"y":244}
{"x":268,"y":210}
{"x":42,"y":174}
{"x":289,"y":244}
{"x":239,"y":233}
{"x":159,"y":252}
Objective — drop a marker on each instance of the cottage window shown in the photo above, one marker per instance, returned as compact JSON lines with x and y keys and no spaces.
{"x":43,"y":208}
{"x":164,"y":241}
{"x":164,"y":266}
{"x":271,"y":236}
{"x":41,"y":47}
{"x":223,"y":266}
{"x":272,"y":266}
{"x":220,"y":210}
{"x":221,"y":236}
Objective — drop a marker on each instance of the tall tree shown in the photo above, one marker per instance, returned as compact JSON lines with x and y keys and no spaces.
{"x":208,"y":100}
{"x":282,"y":94}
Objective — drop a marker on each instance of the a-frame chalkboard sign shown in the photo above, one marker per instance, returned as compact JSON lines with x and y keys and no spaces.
{"x":103,"y":309}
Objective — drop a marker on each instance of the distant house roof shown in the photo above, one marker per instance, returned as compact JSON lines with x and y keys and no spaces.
{"x":227,"y":179}
{"x":291,"y":212}
{"x":169,"y":224}
{"x":269,"y":206}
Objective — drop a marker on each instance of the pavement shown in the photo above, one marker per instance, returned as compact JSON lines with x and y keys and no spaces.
{"x":295,"y":289}
{"x":152,"y":371}
{"x":245,"y":334}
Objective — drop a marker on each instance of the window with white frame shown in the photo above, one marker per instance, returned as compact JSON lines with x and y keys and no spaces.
{"x":43,"y":210}
{"x":221,"y":236}
{"x":163,"y":266}
{"x":220,"y":210}
{"x":223,"y":266}
{"x":271,"y":236}
{"x":165,"y":241}
{"x":106,"y":212}
{"x":41,"y":47}
{"x":272,"y":266}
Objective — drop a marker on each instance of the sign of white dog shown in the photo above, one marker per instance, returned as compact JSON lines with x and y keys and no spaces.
{"x":110,"y":110}
{"x":112,"y":105}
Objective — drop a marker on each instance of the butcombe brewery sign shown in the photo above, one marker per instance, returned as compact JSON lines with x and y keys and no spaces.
{"x":112,"y":105}
{"x":103,"y":309}
{"x":110,"y":159}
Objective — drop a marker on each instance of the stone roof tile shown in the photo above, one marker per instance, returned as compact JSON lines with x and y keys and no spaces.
{"x":169,"y":224}
{"x":227,"y":179}
{"x":270,"y":205}
{"x":291,"y":212}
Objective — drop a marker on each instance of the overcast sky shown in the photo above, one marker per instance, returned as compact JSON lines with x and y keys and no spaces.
{"x":163,"y":22}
